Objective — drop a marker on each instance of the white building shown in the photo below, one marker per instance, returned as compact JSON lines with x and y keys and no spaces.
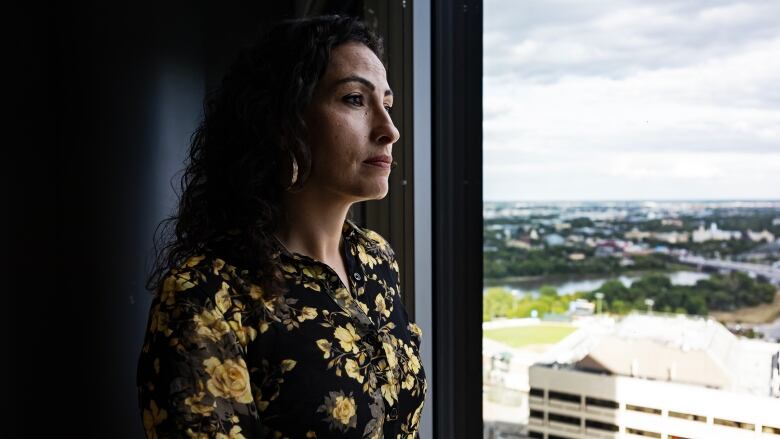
{"x":764,"y":235}
{"x":713,"y":233}
{"x":659,"y":377}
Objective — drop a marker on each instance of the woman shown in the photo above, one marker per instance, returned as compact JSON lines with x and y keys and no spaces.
{"x":275,"y":315}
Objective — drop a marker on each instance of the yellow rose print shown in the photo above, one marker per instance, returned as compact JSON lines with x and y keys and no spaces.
{"x":414,"y":362}
{"x":211,"y":324}
{"x":324,"y":346}
{"x":365,"y":257}
{"x":193,"y":261}
{"x":340,"y":411}
{"x":288,"y":268}
{"x":288,"y":364}
{"x":390,"y":389}
{"x":235,"y":433}
{"x":392,"y":361}
{"x":152,"y":417}
{"x":314,"y":286}
{"x":376,"y":237}
{"x":195,"y":405}
{"x":256,"y":292}
{"x":381,"y":308}
{"x":348,"y":338}
{"x":229,"y":379}
{"x":222,"y":298}
{"x":408,"y":382}
{"x":213,"y":332}
{"x":159,"y":322}
{"x":245,"y":334}
{"x":342,"y":293}
{"x":353,"y":370}
{"x":307,"y":313}
{"x":217,"y":265}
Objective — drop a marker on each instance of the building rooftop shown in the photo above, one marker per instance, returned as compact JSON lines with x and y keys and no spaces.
{"x":677,"y":348}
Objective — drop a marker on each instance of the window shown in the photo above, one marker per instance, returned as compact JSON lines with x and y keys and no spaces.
{"x":645,"y":433}
{"x":562,"y":396}
{"x":598,"y":425}
{"x":535,"y":434}
{"x":537,"y":414}
{"x":639,"y":408}
{"x":688,"y":416}
{"x":734,"y":424}
{"x":603,"y":403}
{"x":605,"y":125}
{"x":563,"y":419}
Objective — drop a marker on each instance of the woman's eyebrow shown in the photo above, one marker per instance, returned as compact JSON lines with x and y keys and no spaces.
{"x":362,"y":80}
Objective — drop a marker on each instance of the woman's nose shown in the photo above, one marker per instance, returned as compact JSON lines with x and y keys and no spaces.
{"x":385,"y":131}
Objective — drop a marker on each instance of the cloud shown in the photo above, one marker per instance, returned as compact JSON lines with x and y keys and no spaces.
{"x":666,"y":89}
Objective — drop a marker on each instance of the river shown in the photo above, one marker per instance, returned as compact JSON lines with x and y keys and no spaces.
{"x":571,"y":285}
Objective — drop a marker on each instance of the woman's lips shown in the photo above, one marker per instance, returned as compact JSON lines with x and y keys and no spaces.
{"x":378,"y":163}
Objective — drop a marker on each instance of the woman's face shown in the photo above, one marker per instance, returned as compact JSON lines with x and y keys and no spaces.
{"x":349,"y":124}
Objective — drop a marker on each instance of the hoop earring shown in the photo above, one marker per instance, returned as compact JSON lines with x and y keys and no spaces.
{"x":294,"y":171}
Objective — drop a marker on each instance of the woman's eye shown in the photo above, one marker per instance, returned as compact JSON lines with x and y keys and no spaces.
{"x":355,"y":97}
{"x":358,"y":99}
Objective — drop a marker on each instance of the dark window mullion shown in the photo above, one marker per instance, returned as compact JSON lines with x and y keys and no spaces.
{"x":457,"y":217}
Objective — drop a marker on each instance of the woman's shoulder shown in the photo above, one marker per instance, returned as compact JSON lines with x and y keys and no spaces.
{"x":373,"y":241}
{"x":201,"y":279}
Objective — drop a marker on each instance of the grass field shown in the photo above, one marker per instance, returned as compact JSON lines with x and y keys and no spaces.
{"x":529,"y":335}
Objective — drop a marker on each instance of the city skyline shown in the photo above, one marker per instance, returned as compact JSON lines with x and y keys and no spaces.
{"x":630,"y":100}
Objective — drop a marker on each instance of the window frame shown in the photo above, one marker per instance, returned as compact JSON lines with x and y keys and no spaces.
{"x":457,"y":221}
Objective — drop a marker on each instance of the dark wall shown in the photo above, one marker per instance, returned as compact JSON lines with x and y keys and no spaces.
{"x":124,"y":86}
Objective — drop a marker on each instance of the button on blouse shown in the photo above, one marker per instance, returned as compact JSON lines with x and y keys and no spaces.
{"x":323,"y":360}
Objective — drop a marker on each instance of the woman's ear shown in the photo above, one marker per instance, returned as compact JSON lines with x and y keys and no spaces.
{"x":283,"y":159}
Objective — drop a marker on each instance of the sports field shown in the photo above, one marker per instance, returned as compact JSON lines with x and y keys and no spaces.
{"x":529,"y":335}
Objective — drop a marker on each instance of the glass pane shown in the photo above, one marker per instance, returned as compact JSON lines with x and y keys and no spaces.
{"x":631,"y":234}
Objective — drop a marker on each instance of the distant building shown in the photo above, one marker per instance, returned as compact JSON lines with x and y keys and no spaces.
{"x":672,"y":222}
{"x":608,"y":249}
{"x":522,"y":243}
{"x":581,"y":307}
{"x":672,"y":237}
{"x":637,"y":249}
{"x":637,"y":235}
{"x":714,"y":234}
{"x":576,"y":239}
{"x":661,"y":249}
{"x":554,"y":240}
{"x":562,"y":226}
{"x":764,"y":235}
{"x":656,"y":376}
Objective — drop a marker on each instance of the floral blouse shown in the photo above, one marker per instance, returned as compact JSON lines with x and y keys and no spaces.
{"x":220,"y":360}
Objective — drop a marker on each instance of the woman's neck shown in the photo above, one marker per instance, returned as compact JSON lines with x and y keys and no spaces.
{"x":313,"y":224}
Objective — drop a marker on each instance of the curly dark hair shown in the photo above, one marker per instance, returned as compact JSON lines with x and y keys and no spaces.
{"x":230,"y":189}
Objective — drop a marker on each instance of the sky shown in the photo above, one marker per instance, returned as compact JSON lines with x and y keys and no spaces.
{"x":630,"y":100}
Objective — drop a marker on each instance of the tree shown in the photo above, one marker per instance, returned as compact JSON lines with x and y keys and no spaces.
{"x":548,"y":291}
{"x":496,"y":302}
